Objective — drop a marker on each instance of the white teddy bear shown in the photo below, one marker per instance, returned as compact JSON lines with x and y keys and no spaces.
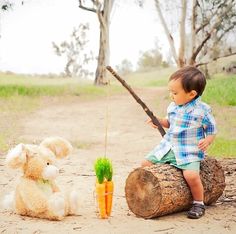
{"x":37,"y":194}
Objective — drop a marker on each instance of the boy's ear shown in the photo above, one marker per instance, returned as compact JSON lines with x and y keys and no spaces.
{"x":16,"y":157}
{"x":193,"y":93}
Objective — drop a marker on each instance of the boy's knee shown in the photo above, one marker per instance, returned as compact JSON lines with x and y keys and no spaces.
{"x":191,"y":176}
{"x":146,"y":163}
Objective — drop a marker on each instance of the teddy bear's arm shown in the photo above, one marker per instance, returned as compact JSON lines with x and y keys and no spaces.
{"x":32,"y":196}
{"x":55,"y":188}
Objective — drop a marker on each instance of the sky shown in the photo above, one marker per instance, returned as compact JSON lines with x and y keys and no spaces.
{"x":27,"y":33}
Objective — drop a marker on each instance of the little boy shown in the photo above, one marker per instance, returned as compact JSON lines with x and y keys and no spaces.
{"x":191,"y":129}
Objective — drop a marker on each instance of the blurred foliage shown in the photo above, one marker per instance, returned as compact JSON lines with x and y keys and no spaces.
{"x":125,"y":67}
{"x":76,"y":53}
{"x":221,"y":89}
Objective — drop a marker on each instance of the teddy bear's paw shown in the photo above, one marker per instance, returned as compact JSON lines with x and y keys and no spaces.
{"x":57,"y":204}
{"x":9,"y":201}
{"x":74,"y":203}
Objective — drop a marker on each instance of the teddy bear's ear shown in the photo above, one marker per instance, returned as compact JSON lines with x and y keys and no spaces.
{"x":59,"y":146}
{"x":16,"y":157}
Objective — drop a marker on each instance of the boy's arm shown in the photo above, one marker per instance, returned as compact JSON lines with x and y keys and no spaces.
{"x":164,"y":122}
{"x":209,"y":126}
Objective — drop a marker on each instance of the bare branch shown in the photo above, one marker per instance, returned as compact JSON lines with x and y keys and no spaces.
{"x":167,"y":32}
{"x":216,"y":58}
{"x":194,"y":55}
{"x":226,"y":31}
{"x":86,"y":8}
{"x":209,"y":34}
{"x":202,"y":26}
{"x":221,"y":16}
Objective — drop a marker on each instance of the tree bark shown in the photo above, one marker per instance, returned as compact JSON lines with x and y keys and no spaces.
{"x":103,"y":55}
{"x":182,"y":33}
{"x":103,"y":11}
{"x":193,"y":30}
{"x":161,"y":189}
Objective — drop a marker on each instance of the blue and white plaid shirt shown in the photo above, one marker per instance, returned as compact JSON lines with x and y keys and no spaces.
{"x":188,"y":124}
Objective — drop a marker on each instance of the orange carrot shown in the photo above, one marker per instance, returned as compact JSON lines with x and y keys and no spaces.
{"x":104,"y":186}
{"x":109,"y":184}
{"x":100,"y":187}
{"x":100,"y":191}
{"x":109,"y":196}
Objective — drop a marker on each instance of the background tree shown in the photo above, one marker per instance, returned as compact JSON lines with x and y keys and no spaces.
{"x":103,"y":10}
{"x":75,"y":52}
{"x":125,"y":67}
{"x":5,"y":5}
{"x":209,"y":23}
{"x":151,"y":59}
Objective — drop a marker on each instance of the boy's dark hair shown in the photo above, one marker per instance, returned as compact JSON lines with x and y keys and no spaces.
{"x":191,"y":78}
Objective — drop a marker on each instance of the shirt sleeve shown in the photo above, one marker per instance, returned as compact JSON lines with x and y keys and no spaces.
{"x":209,"y":123}
{"x":170,"y":109}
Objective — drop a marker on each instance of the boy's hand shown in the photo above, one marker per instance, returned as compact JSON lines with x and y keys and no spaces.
{"x":164,"y":123}
{"x":203,"y":144}
{"x":149,"y":121}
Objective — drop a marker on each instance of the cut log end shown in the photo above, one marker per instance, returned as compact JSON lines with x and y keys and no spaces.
{"x":144,"y":194}
{"x":161,"y":189}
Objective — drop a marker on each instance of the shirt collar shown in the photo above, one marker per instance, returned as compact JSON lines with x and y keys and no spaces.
{"x":188,"y":107}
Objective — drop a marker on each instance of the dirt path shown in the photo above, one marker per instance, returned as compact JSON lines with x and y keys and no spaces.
{"x":129,"y":139}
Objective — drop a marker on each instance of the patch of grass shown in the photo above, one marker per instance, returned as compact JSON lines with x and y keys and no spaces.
{"x":221,"y":89}
{"x":14,"y":85}
{"x":35,"y":90}
{"x":30,"y":90}
{"x":222,"y":147}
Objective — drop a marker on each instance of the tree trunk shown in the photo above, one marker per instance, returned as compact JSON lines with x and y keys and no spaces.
{"x":104,"y":46}
{"x":161,"y":189}
{"x":181,"y":58}
{"x":193,"y":30}
{"x":103,"y":10}
{"x":167,"y":32}
{"x":100,"y":74}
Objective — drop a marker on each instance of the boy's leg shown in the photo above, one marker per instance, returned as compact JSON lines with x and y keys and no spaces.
{"x":195,"y":184}
{"x":151,"y":159}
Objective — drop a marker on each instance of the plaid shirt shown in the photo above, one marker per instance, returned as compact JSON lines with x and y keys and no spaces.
{"x":188,"y":124}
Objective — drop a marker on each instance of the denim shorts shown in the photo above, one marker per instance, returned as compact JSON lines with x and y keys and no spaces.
{"x":170,"y":159}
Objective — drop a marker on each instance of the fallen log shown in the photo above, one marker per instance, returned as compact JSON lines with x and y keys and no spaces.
{"x":161,"y":189}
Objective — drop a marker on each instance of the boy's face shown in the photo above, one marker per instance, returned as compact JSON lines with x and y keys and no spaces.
{"x":178,"y":94}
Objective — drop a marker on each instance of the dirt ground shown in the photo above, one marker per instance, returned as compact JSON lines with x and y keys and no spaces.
{"x":129,"y":140}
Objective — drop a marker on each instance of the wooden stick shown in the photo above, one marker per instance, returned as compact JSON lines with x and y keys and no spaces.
{"x":135,"y":96}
